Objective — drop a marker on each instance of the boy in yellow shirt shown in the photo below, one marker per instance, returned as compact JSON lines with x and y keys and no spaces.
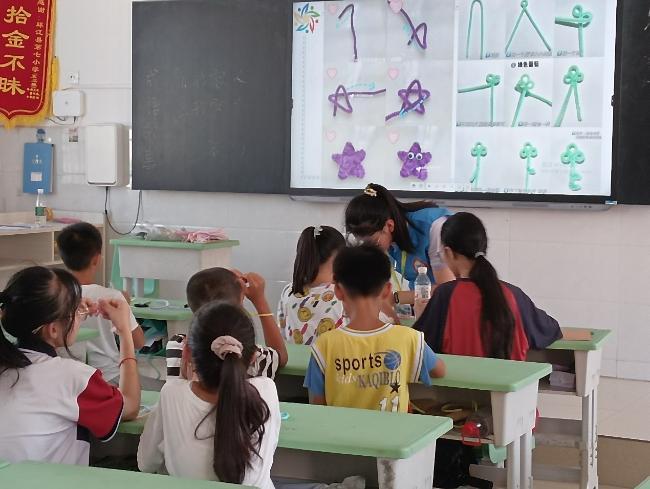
{"x":367,"y":364}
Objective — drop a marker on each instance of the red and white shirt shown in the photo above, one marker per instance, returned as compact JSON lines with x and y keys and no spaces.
{"x":49,"y":408}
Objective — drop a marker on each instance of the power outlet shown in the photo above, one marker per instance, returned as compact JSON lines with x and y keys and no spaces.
{"x":73,"y":78}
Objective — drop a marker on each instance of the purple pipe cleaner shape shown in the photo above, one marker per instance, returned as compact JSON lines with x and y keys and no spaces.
{"x":408,"y":105}
{"x":345,"y":105}
{"x":350,"y":162}
{"x":413,"y":162}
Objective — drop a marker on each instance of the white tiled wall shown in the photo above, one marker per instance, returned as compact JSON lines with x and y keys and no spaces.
{"x":586,"y":269}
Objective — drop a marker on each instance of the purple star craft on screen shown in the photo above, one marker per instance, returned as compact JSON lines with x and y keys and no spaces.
{"x":341,"y":98}
{"x":413,"y":98}
{"x":414,"y":161}
{"x":350,"y":162}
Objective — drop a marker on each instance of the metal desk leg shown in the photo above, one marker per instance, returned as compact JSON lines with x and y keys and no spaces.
{"x":527,"y":460}
{"x":139,"y":287}
{"x":589,"y":444}
{"x":128,"y":284}
{"x":513,"y":465}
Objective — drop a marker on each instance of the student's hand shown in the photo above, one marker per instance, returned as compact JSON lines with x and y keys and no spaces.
{"x":255,"y":290}
{"x":90,"y":305}
{"x":117,"y":312}
{"x":419,"y":307}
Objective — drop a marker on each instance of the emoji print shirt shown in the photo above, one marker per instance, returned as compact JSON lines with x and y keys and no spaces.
{"x":304,"y":317}
{"x":369,"y":369}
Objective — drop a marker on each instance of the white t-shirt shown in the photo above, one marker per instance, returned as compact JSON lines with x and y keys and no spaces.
{"x":304,"y":317}
{"x":435,"y":244}
{"x":168,"y":442}
{"x":46,"y":416}
{"x":102,"y":351}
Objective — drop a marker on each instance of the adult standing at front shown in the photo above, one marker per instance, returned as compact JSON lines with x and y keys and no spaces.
{"x":408,"y":232}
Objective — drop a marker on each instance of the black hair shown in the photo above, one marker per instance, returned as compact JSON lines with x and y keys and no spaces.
{"x":362,"y":270}
{"x":367,"y":214}
{"x":213,"y":284}
{"x":35,"y":296}
{"x":240,"y":411}
{"x":311,"y":252}
{"x":78,"y":244}
{"x":465,"y":234}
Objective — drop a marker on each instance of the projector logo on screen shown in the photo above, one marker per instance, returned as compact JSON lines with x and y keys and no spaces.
{"x":305,"y":18}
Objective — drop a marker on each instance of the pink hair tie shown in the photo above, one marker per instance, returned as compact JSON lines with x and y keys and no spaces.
{"x":225,"y":345}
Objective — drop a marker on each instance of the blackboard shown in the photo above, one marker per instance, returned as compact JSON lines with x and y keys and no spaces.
{"x":211,"y":95}
{"x":632,"y":153}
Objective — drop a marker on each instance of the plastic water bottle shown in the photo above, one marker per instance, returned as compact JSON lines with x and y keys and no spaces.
{"x":39,"y":209}
{"x":422,"y":285}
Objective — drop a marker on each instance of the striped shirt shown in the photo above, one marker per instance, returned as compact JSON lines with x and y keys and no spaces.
{"x":265,"y":363}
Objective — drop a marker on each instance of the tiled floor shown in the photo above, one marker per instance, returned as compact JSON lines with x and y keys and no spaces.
{"x":623,"y":408}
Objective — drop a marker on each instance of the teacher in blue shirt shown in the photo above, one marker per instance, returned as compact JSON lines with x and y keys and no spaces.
{"x":408,"y":232}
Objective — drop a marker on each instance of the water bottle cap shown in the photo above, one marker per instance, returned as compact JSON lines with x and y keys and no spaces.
{"x":40,"y":191}
{"x":422,"y":269}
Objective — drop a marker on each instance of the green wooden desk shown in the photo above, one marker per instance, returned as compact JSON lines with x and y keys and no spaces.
{"x":645,"y":484}
{"x":176,"y":311}
{"x":30,"y":475}
{"x":509,"y":387}
{"x":328,"y":444}
{"x":177,"y":316}
{"x":586,"y":358}
{"x":148,"y":400}
{"x":168,"y":260}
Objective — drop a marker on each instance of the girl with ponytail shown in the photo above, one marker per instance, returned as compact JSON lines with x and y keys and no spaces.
{"x":222,"y":425}
{"x":308,"y":306}
{"x":477,"y":314}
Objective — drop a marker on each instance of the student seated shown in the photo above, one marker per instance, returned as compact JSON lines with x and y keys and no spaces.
{"x":308,"y":306}
{"x":477,"y":314}
{"x":223,"y":425}
{"x":367,"y":364}
{"x":49,"y":405}
{"x":221,"y":284}
{"x":80,"y":247}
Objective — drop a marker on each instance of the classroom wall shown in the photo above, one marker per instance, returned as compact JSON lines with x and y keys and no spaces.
{"x":586,"y":269}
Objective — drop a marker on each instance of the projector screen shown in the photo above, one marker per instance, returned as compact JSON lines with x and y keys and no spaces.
{"x":475,"y":99}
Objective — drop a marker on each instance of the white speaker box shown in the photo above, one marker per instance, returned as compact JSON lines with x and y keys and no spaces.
{"x":106,"y":154}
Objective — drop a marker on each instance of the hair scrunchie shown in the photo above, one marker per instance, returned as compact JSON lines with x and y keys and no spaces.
{"x":226,"y":345}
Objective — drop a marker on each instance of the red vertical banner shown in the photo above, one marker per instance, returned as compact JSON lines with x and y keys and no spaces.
{"x":26,"y":71}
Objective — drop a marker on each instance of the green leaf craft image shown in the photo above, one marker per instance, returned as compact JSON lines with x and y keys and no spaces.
{"x":525,"y":87}
{"x":469,"y":28}
{"x":478,"y":151}
{"x":526,"y":12}
{"x":573,"y":77}
{"x":579,"y":19}
{"x":528,"y":152}
{"x":572,"y":157}
{"x":491,"y":81}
